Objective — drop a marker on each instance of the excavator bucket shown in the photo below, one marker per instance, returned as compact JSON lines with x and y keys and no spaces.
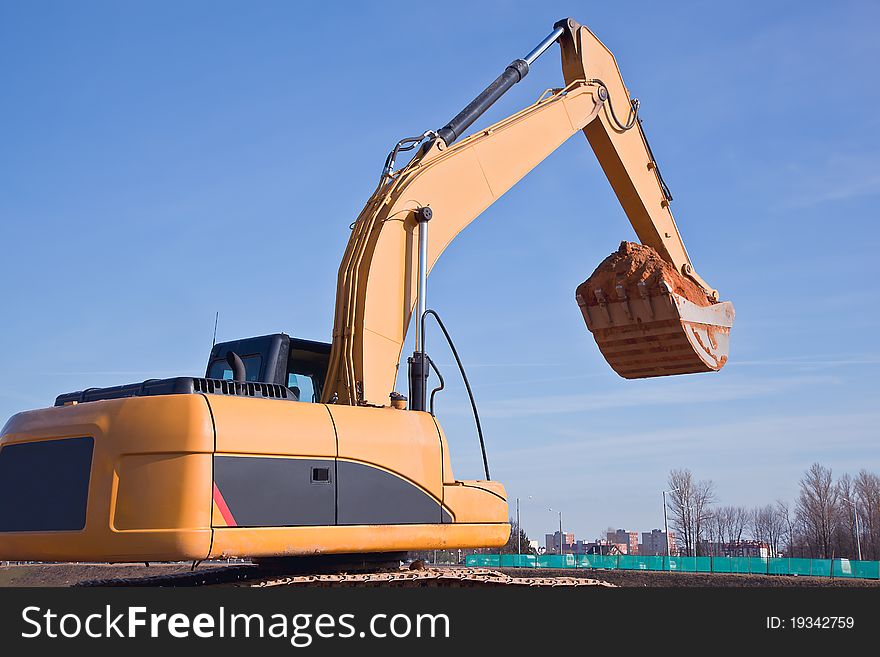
{"x":648,"y":320}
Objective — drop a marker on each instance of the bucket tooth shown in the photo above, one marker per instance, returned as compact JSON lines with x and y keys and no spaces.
{"x":582,"y":304}
{"x":621,"y":295}
{"x":603,"y":304}
{"x":643,"y":292}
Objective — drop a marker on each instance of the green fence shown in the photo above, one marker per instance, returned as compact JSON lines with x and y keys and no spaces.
{"x":742,"y":565}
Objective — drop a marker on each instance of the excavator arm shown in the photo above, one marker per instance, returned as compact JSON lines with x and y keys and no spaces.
{"x":377,"y":285}
{"x":622,"y":149}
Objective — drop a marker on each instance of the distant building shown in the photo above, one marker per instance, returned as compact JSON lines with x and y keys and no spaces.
{"x":552,"y":543}
{"x":630,"y":540}
{"x":654,"y":543}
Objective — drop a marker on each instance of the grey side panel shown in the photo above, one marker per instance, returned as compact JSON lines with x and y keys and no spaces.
{"x":44,"y":485}
{"x":276,"y":492}
{"x":370,"y":496}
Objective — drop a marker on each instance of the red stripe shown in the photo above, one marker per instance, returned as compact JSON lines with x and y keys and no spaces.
{"x":221,"y":505}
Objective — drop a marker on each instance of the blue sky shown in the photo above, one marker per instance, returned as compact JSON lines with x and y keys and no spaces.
{"x":162,"y":161}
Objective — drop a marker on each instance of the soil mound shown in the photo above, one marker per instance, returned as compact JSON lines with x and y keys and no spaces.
{"x":629,"y":265}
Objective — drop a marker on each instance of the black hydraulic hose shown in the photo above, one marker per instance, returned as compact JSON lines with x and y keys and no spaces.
{"x":631,"y":118}
{"x":467,"y":384}
{"x":438,"y":388}
{"x":666,"y":191}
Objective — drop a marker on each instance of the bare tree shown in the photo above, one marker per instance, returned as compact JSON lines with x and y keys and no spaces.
{"x":759,"y":523}
{"x":778,"y":530}
{"x":728,"y":524}
{"x":681,"y":484}
{"x":867,"y":490}
{"x":845,"y":522}
{"x":817,"y":509}
{"x":739,"y":522}
{"x":689,"y":503}
{"x":725,"y":515}
{"x":820,"y":524}
{"x":786,"y":537}
{"x":716,"y":530}
{"x":704,"y":495}
{"x":769,"y":525}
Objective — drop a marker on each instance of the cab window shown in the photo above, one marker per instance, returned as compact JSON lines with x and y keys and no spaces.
{"x":304,"y":384}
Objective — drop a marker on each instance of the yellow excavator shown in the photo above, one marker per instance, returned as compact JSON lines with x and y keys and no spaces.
{"x":288,"y":447}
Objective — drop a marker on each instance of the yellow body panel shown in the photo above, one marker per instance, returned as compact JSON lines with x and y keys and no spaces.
{"x":269,"y":427}
{"x":475,"y":501}
{"x":152,"y":493}
{"x":303,"y":541}
{"x":149,"y":494}
{"x":403,"y":442}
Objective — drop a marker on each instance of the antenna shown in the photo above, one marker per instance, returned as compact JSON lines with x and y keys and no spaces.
{"x":216,"y":319}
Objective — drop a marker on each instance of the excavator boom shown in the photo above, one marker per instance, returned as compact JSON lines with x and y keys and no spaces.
{"x":377,"y":286}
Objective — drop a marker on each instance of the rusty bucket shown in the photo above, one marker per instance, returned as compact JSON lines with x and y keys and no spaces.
{"x":657,"y":333}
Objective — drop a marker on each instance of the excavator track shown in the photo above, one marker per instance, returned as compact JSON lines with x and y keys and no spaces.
{"x":430,"y":577}
{"x":271,"y":576}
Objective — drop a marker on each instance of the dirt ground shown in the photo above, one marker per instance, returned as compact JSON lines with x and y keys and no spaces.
{"x":68,"y":574}
{"x":654,"y":578}
{"x":71,"y":574}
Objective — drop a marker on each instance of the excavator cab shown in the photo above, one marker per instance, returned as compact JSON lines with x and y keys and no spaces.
{"x":274,"y":366}
{"x":300,"y":365}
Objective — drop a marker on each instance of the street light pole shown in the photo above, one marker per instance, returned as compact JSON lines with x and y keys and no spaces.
{"x":858,"y":533}
{"x":856,"y":519}
{"x":561,"y":536}
{"x":665,"y":521}
{"x":518,"y":530}
{"x":561,"y":546}
{"x":665,"y":524}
